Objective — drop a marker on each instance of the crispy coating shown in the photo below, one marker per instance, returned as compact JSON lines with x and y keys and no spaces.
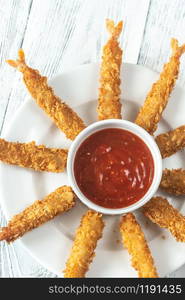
{"x":82,"y":253}
{"x":61,"y":114}
{"x":171,"y":141}
{"x":41,"y":211}
{"x":157,"y":99}
{"x":173,"y":181}
{"x":28,"y":155}
{"x":135,"y":242}
{"x":109,"y":106}
{"x":159,"y":211}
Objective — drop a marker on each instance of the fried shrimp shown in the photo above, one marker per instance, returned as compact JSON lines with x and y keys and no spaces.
{"x":41,"y":211}
{"x":173,"y":181}
{"x":135,"y":242}
{"x":171,"y":141}
{"x":28,"y":155}
{"x":61,"y":114}
{"x":159,"y":211}
{"x":82,"y":253}
{"x":157,"y":98}
{"x":109,"y":106}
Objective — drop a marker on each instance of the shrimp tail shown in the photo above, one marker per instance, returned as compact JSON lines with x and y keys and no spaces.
{"x":20,"y":63}
{"x":176,"y":49}
{"x":109,"y":104}
{"x":114,"y":30}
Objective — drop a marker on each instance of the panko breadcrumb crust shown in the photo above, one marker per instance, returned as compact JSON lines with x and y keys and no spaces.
{"x":173,"y":181}
{"x":41,"y":158}
{"x":41,"y":211}
{"x":109,"y":106}
{"x":61,"y":114}
{"x":171,"y":141}
{"x":82,"y":253}
{"x":157,"y":99}
{"x":29,"y":155}
{"x":161,"y":212}
{"x":135,"y":242}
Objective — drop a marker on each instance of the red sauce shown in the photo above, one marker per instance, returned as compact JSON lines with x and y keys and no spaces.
{"x":113,"y":168}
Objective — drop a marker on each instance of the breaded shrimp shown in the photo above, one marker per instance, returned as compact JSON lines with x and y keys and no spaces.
{"x":159,"y":211}
{"x":173,"y":181}
{"x":82,"y":253}
{"x":41,"y":211}
{"x":28,"y":155}
{"x":135,"y":242}
{"x":61,"y":114}
{"x":157,"y":99}
{"x":109,"y":106}
{"x":171,"y":141}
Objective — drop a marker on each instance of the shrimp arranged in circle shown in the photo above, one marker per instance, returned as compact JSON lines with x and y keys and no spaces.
{"x":41,"y":158}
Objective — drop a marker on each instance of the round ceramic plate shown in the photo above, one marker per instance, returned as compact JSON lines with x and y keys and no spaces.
{"x":50,"y":244}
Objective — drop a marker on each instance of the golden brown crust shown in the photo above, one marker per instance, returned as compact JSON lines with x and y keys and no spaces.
{"x":157,"y":99}
{"x":173,"y":181}
{"x":28,"y":155}
{"x":82,"y":253}
{"x":159,"y":211}
{"x":171,"y":141}
{"x":61,"y":114}
{"x":135,"y":242}
{"x":109,"y":106}
{"x":41,"y":211}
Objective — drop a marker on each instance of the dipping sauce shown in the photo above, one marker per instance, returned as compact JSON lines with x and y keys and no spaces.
{"x":113,"y":168}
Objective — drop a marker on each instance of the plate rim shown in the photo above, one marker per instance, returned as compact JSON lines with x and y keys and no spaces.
{"x":18,"y":112}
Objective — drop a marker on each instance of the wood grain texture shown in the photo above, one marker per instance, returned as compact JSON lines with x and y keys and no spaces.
{"x":60,"y":34}
{"x":166,"y":19}
{"x":63,"y":34}
{"x":14,"y":17}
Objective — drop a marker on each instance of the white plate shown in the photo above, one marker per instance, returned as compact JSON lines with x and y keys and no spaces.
{"x":50,"y":244}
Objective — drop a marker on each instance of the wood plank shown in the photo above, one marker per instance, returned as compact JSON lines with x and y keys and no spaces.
{"x":63,"y":34}
{"x":48,"y":29}
{"x":165,"y":20}
{"x":14,"y":15}
{"x":55,"y":36}
{"x":91,"y":32}
{"x":14,"y":259}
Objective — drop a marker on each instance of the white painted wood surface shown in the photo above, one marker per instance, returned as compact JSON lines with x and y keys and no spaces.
{"x":60,"y":34}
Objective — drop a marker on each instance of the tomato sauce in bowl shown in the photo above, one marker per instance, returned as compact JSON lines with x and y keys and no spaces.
{"x":113,"y":168}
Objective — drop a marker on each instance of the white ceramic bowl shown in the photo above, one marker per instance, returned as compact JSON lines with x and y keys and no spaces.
{"x":137,"y":130}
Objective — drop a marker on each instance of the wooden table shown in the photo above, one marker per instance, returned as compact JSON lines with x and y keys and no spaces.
{"x":60,"y":34}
